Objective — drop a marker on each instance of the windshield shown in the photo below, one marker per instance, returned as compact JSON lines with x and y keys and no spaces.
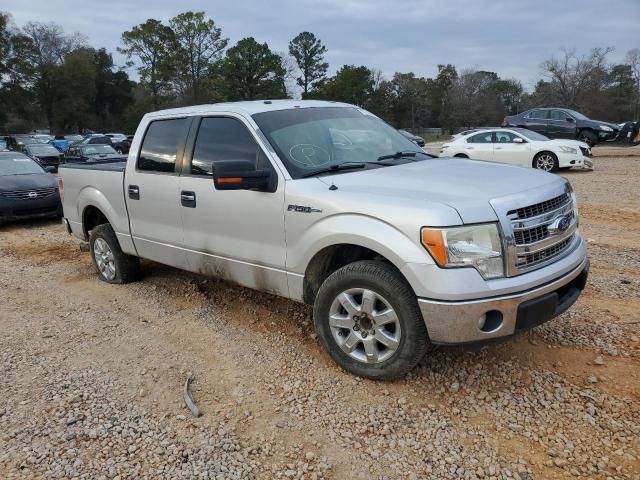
{"x":531,"y":135}
{"x":98,"y":150}
{"x":312,"y":139}
{"x":18,"y":165}
{"x":577,"y":115}
{"x":43,"y":150}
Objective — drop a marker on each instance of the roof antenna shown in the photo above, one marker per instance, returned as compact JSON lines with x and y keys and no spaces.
{"x":333,"y":186}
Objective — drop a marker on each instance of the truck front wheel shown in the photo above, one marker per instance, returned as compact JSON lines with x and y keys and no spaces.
{"x":368,"y":319}
{"x":111,"y":263}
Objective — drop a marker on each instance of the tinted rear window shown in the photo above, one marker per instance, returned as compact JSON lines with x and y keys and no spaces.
{"x":160,"y":145}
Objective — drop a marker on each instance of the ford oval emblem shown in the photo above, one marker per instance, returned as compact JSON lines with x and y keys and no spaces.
{"x":559,"y":225}
{"x":33,"y":195}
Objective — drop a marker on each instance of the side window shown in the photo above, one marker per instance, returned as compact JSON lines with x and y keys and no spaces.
{"x":504,"y":137}
{"x":221,"y":139}
{"x":160,"y":145}
{"x":538,"y":114}
{"x":558,"y":115}
{"x":485,"y":137}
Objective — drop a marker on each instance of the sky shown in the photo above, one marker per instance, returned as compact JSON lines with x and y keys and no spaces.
{"x":511,"y":38}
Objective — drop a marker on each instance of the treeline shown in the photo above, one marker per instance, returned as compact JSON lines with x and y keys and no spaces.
{"x":50,"y":78}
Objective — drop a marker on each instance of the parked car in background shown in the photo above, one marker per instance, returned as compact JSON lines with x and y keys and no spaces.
{"x":3,"y":144}
{"x":324,"y":203}
{"x":17,"y":142}
{"x":74,"y":137}
{"x":563,"y":123}
{"x":520,"y":146}
{"x":414,"y":138}
{"x":26,"y":189}
{"x":92,"y":154}
{"x":60,"y":143}
{"x":45,"y":154}
{"x":119,"y":142}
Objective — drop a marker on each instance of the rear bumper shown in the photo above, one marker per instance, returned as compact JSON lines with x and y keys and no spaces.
{"x":489,"y":319}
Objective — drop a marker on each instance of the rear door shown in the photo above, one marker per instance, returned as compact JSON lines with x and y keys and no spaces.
{"x":152,"y":191}
{"x":505,"y":150}
{"x":537,"y":120}
{"x":233,"y":234}
{"x":480,"y":146}
{"x":561,"y":125}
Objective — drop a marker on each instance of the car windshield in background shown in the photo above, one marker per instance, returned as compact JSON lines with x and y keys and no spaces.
{"x":314,"y":139}
{"x":98,"y":150}
{"x":577,"y":115}
{"x":43,"y":150}
{"x":18,"y":165}
{"x":531,"y":135}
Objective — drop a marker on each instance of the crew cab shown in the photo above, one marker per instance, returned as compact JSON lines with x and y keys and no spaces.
{"x":324,"y":203}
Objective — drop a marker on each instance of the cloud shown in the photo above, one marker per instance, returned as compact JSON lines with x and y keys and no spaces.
{"x":510,"y":38}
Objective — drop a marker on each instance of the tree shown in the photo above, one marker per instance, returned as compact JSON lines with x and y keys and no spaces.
{"x":49,"y":46}
{"x":199,"y":45}
{"x":350,"y":84}
{"x":633,"y":60}
{"x":575,"y":79}
{"x":151,"y":43}
{"x":250,"y":71}
{"x":308,"y":52}
{"x":474,"y":100}
{"x":438,"y":92}
{"x":112,"y":91}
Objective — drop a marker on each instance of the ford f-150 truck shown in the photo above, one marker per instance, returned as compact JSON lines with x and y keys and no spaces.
{"x":324,"y":203}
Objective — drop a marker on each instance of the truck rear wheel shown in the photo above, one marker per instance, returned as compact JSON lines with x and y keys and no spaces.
{"x":368,"y":319}
{"x":111,"y":263}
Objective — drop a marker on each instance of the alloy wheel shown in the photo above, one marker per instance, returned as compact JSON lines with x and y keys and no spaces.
{"x":364,"y":325}
{"x":545,"y":162}
{"x":105,"y":259}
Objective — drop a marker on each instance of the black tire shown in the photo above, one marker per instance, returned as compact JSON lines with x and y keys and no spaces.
{"x":537,"y":160}
{"x":127,"y":267}
{"x":589,"y":137}
{"x":387,"y":282}
{"x":461,"y":155}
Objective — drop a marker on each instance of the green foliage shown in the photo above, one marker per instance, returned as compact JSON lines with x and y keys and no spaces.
{"x":198,"y":45}
{"x":250,"y":71}
{"x":350,"y":84}
{"x":308,"y":52}
{"x":152,"y":45}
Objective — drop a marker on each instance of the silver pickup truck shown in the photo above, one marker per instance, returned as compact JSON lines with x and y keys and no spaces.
{"x":324,"y":203}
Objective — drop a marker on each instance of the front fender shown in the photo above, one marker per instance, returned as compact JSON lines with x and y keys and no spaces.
{"x":354,"y":229}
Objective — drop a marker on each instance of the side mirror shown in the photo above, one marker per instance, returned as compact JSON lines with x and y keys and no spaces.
{"x":240,"y":175}
{"x":570,"y":119}
{"x":518,"y":140}
{"x":50,"y":169}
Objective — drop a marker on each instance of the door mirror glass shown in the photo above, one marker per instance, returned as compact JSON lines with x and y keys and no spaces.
{"x":240,"y":175}
{"x":50,"y":169}
{"x":518,"y":140}
{"x":570,"y":119}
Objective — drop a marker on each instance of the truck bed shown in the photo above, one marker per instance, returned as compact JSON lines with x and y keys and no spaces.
{"x":118,"y":166}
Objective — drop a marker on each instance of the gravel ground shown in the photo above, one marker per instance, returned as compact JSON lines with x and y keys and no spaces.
{"x":92,"y":375}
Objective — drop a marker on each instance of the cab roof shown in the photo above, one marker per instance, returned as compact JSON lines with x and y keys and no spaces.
{"x":246,"y":108}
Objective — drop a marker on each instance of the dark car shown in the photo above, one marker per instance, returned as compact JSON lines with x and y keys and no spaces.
{"x":26,"y":189}
{"x":93,"y":154}
{"x":120,"y":146}
{"x":563,"y":123}
{"x":45,"y":154}
{"x":120,"y":142}
{"x":414,"y":138}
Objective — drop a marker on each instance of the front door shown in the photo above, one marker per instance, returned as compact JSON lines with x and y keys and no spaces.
{"x":561,"y":125}
{"x":237,"y":235}
{"x":152,"y":193}
{"x":507,"y":150}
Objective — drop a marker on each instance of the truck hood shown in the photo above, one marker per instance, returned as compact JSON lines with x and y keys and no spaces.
{"x":465,"y":185}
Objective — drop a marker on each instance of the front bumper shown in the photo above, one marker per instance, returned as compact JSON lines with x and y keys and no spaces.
{"x":487,"y":319}
{"x":22,"y":209}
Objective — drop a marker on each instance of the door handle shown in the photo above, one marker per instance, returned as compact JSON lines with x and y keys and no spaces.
{"x":498,"y":148}
{"x":188,"y":199}
{"x":134,"y":192}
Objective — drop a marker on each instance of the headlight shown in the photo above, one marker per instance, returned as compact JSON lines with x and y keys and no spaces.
{"x":604,"y":128}
{"x":569,"y":150}
{"x":477,"y":246}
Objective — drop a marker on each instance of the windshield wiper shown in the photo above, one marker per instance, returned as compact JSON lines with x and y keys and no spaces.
{"x":335,"y":168}
{"x":398,"y":155}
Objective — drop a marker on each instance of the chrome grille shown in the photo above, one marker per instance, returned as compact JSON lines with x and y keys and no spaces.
{"x":32,"y":194}
{"x":543,"y":255}
{"x":534,"y":242}
{"x":540,"y":208}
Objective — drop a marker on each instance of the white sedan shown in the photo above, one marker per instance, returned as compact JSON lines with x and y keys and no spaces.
{"x":519,"y":146}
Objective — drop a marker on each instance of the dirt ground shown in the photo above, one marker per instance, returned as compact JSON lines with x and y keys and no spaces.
{"x":92,"y":374}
